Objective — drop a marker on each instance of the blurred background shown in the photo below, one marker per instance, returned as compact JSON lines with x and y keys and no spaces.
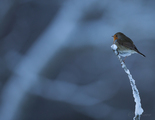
{"x":56,"y":62}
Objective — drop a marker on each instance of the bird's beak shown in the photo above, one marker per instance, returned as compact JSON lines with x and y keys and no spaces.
{"x":112,"y":36}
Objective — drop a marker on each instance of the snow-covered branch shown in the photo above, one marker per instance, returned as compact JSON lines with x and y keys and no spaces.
{"x":138,"y":108}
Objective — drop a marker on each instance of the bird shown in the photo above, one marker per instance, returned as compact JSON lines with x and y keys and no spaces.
{"x":125,"y":45}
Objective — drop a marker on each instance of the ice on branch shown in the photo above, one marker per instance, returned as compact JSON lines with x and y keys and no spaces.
{"x":114,"y":47}
{"x":138,"y":108}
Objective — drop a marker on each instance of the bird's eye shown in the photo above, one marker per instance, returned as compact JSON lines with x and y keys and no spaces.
{"x":116,"y":35}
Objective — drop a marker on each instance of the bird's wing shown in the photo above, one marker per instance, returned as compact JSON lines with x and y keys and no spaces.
{"x":127,"y":43}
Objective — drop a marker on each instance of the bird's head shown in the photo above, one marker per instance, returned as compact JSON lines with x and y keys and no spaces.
{"x":118,"y":35}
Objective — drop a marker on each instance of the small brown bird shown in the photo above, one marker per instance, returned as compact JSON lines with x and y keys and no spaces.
{"x":125,"y":45}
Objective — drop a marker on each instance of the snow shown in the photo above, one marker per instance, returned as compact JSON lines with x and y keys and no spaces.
{"x":114,"y":47}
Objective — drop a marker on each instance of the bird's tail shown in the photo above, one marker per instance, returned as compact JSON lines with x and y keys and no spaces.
{"x":141,"y":54}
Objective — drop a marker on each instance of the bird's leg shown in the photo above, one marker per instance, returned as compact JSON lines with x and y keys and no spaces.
{"x":124,"y":59}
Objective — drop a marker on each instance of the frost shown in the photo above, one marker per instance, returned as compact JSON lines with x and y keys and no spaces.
{"x":114,"y":47}
{"x":138,"y":109}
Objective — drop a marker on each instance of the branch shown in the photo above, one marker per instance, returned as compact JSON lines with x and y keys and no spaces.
{"x":138,"y":108}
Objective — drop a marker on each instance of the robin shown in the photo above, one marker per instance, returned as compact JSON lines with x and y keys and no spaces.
{"x":125,"y":45}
